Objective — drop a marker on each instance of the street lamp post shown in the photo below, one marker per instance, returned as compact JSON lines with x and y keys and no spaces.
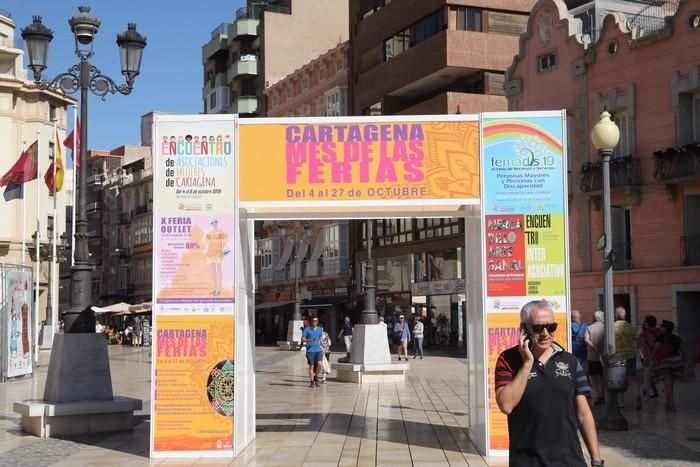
{"x":83,"y":77}
{"x":605,"y":136}
{"x":370,"y":315}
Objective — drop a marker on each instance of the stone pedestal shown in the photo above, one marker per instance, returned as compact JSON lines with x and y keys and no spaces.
{"x":46,"y":337}
{"x":370,"y":360}
{"x":78,"y":393}
{"x":294,"y":331}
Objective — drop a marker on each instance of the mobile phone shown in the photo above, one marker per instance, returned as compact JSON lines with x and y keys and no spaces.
{"x":528,"y":335}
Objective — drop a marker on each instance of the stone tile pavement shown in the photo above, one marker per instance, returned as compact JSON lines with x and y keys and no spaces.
{"x":421,"y":422}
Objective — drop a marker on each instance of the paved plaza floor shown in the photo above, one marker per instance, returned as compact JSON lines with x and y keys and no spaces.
{"x":421,"y":422}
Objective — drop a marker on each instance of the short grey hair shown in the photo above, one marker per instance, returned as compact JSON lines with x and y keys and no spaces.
{"x":620,"y":312}
{"x":529,"y":307}
{"x":599,"y":316}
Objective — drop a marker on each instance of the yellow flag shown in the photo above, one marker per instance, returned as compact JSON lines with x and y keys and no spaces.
{"x":58,"y":160}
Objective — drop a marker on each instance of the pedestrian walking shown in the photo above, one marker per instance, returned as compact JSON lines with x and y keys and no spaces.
{"x":645,"y":343}
{"x":542,"y":389}
{"x":138,"y":333}
{"x":326,"y":347}
{"x":595,"y":334}
{"x":668,"y":362}
{"x":402,"y":335}
{"x":625,"y":344}
{"x":346,"y":334}
{"x":578,"y":338}
{"x":314,"y":353}
{"x":417,"y":338}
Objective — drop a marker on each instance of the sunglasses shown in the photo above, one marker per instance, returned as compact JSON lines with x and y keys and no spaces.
{"x":538,"y":328}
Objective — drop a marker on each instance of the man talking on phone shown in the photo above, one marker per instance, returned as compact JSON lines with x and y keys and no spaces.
{"x":314,"y":354}
{"x":542,"y":389}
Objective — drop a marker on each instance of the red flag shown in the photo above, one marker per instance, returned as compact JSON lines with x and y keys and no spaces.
{"x":25,"y":169}
{"x":58,"y":160}
{"x":75,"y":155}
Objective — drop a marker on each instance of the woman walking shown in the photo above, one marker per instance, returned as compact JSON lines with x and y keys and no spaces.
{"x":668,"y":362}
{"x":418,"y":338}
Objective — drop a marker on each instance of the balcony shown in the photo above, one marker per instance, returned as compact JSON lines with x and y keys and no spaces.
{"x":246,"y":66}
{"x":218,"y":81}
{"x":677,"y":164}
{"x":94,"y":208}
{"x":243,"y":26}
{"x":125,"y":218}
{"x":95,"y":181}
{"x":218,"y":42}
{"x":143,"y":209}
{"x":245,"y":105}
{"x":690,"y":250}
{"x":451,"y":102}
{"x":625,"y":174}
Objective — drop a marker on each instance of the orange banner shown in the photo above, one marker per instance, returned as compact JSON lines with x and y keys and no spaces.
{"x":369,"y":161}
{"x":194,"y":383}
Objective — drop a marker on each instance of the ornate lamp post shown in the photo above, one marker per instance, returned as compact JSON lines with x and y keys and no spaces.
{"x":605,"y":136}
{"x":83,"y":77}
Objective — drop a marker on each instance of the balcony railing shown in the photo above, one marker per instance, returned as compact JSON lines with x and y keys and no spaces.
{"x":94,"y":208}
{"x":625,"y":172}
{"x":143,"y":209}
{"x":95,"y":180}
{"x":125,"y":217}
{"x":690,"y":250}
{"x":677,"y":163}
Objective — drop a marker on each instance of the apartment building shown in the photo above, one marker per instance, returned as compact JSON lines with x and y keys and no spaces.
{"x":317,"y":89}
{"x":27,"y":115}
{"x":643,"y":69}
{"x":432,"y":56}
{"x":266,"y":41}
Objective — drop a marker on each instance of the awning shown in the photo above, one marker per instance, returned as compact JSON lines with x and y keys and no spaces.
{"x":115,"y":308}
{"x":286,"y":255}
{"x":268,"y":305}
{"x":312,"y":268}
{"x":324,"y":302}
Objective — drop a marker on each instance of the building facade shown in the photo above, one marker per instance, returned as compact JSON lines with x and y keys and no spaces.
{"x":643,"y":69}
{"x":27,"y":115}
{"x":432,"y":56}
{"x":317,"y":89}
{"x":267,"y":41}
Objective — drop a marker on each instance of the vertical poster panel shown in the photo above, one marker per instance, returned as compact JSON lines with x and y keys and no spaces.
{"x":193,"y":286}
{"x":18,"y":318}
{"x":524,"y":222}
{"x":194,"y":386}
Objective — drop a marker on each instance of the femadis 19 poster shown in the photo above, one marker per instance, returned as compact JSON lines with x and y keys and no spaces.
{"x":524,"y":220}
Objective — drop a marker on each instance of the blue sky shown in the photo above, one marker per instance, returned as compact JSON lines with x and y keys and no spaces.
{"x":171,"y":70}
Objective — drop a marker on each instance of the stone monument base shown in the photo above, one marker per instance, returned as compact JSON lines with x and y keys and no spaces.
{"x":370,"y":360}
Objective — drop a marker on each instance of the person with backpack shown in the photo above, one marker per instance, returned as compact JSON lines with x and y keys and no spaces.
{"x":578,"y":338}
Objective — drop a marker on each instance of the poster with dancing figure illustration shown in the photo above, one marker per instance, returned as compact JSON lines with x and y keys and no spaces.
{"x":17,"y":319}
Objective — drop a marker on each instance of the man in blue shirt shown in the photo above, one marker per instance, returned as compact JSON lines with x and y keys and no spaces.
{"x":314,"y":354}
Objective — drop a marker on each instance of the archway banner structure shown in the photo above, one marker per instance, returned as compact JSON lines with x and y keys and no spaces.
{"x":503,"y":173}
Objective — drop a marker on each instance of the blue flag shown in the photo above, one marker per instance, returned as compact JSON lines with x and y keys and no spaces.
{"x":14,"y":192}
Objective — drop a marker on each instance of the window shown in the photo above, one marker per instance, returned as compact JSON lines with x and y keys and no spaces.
{"x":339,"y":65}
{"x":49,"y":226}
{"x":290,"y":91}
{"x":624,"y":147}
{"x":546,"y":62}
{"x":322,"y":73}
{"x":470,"y":19}
{"x":621,"y":237}
{"x":52,"y":112}
{"x":428,"y":27}
{"x":305,"y":84}
{"x":335,"y":249}
{"x":397,"y":44}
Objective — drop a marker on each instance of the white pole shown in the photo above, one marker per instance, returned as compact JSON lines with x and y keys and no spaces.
{"x":37,"y":245}
{"x":54,"y":276}
{"x":24,"y":218}
{"x":75,"y":182}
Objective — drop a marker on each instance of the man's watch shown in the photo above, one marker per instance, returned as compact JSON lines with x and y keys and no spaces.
{"x":597,"y":463}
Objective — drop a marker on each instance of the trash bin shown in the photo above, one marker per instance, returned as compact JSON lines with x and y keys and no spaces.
{"x":617,"y":373}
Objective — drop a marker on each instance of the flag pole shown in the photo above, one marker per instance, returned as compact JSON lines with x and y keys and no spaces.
{"x":24,"y":219}
{"x":75,"y":184}
{"x":37,"y":247}
{"x":54,"y":276}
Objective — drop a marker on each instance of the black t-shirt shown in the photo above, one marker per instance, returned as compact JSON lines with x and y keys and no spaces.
{"x":542,"y":428}
{"x":347,"y":329}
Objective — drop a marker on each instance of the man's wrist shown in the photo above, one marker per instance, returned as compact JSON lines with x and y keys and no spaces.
{"x":597,"y":463}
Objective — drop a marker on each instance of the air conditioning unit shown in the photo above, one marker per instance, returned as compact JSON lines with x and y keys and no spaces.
{"x":219,"y":100}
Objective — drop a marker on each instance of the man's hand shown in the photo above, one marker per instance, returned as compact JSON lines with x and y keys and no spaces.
{"x":524,"y":348}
